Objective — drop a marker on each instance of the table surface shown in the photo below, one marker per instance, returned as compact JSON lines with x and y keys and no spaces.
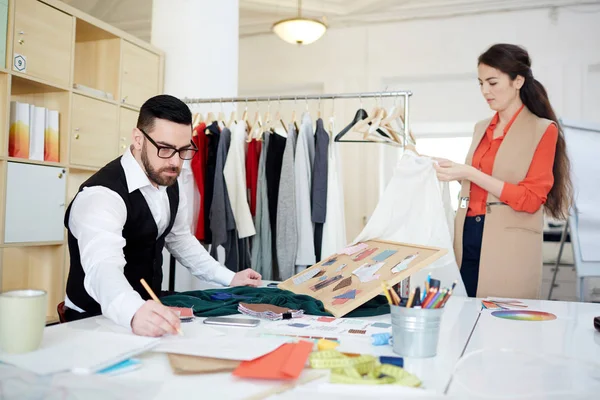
{"x":465,"y":330}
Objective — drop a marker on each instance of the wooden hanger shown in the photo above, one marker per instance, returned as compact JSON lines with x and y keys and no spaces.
{"x":278,"y":118}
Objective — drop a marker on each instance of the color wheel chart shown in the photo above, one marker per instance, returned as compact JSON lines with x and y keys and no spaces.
{"x":522,"y":315}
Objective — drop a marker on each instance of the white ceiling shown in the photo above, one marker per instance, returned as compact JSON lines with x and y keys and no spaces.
{"x":257,"y":16}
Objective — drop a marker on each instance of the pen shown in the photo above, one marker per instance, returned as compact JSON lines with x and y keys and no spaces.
{"x":151,"y":293}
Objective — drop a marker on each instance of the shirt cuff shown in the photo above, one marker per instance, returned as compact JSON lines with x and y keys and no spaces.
{"x":223,"y":275}
{"x":510,"y":193}
{"x":122,"y":309}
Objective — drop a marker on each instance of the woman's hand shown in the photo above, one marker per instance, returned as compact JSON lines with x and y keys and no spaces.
{"x":450,"y":171}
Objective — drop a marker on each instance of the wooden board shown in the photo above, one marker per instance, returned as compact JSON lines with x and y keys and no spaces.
{"x":345,"y":281}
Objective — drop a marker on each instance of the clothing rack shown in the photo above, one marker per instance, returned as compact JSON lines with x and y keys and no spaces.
{"x":330,"y":96}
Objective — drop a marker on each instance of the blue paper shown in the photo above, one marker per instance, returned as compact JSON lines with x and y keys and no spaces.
{"x":384,"y":255}
{"x":380,"y":325}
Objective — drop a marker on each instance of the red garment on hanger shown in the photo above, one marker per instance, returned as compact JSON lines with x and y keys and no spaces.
{"x":254,"y":148}
{"x":198,"y":165}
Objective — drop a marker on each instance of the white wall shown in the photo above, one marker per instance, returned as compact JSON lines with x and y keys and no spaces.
{"x":437,"y":60}
{"x":200,"y":40}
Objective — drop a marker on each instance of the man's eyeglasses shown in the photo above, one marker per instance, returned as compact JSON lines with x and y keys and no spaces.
{"x":186,"y":153}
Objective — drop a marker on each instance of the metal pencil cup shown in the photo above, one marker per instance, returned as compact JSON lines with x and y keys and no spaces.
{"x":416,"y":331}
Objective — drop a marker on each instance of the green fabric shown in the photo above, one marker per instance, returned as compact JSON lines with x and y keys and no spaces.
{"x":204,"y":306}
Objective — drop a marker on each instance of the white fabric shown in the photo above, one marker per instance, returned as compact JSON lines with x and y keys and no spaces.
{"x":235,"y":180}
{"x":414,"y":209}
{"x":303,"y":166}
{"x":334,"y":228}
{"x":97,"y":217}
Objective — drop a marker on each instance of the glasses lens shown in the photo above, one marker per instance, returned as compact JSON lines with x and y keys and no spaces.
{"x":187,"y":154}
{"x":165,"y":152}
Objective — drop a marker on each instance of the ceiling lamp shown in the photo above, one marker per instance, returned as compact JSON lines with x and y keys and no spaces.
{"x":299,"y":30}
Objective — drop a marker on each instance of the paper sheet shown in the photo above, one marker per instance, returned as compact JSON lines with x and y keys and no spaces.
{"x":82,"y":352}
{"x":228,"y":347}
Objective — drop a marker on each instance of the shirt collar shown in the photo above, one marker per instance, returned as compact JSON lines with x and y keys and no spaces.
{"x":134,"y":174}
{"x":496,"y":118}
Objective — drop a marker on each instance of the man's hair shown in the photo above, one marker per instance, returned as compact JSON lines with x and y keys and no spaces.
{"x":165,"y":107}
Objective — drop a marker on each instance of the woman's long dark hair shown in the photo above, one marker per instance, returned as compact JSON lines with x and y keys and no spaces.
{"x":513,"y":61}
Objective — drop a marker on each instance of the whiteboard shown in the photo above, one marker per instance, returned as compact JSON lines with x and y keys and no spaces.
{"x":583,"y":147}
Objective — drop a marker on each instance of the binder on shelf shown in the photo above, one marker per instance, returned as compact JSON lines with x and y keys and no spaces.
{"x":51,"y":152}
{"x":37,"y":122}
{"x":18,"y":136}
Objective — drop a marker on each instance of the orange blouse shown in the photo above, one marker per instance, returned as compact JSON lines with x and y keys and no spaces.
{"x":529,"y":194}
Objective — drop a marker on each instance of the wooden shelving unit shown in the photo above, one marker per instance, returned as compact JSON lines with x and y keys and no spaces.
{"x":96,"y":77}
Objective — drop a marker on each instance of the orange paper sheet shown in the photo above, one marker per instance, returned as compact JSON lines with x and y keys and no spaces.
{"x":285,"y":363}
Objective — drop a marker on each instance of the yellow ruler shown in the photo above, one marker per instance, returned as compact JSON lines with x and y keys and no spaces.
{"x":364,"y":369}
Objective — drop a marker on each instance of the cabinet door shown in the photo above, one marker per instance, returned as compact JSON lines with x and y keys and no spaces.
{"x":44,"y":38}
{"x":94,"y":132}
{"x":139,"y":77}
{"x":35,"y":203}
{"x":127,"y":121}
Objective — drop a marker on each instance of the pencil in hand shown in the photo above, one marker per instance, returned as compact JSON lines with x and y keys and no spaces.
{"x":151,"y":293}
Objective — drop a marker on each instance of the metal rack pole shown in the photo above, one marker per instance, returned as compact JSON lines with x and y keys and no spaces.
{"x":328,"y":96}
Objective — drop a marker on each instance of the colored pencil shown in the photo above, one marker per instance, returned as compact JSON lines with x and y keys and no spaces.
{"x":410,"y":299}
{"x":387,"y":294}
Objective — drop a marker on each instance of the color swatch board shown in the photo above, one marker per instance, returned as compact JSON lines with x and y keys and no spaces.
{"x":353,"y":276}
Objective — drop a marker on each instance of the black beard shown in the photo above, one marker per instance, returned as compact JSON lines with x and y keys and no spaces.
{"x":154,"y":175}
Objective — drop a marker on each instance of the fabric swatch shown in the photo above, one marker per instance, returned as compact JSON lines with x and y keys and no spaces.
{"x":326,"y":319}
{"x":322,"y":278}
{"x":341,"y":267}
{"x":384,"y":255}
{"x":330,"y":262}
{"x":351,"y":250}
{"x":320,"y":274}
{"x":343,"y":283}
{"x":298,"y":325}
{"x":350,"y":294}
{"x":357,"y":331}
{"x":381,"y":325}
{"x":325,"y":283}
{"x":366,"y":272}
{"x":402,"y":265}
{"x":306,"y":276}
{"x":361,"y":256}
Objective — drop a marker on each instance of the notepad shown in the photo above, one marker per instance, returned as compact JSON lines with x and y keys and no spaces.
{"x":79,"y":351}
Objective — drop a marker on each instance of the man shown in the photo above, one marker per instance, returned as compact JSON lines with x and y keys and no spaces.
{"x":125,"y":214}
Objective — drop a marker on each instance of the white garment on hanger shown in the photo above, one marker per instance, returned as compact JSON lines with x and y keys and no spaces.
{"x":334,"y":228}
{"x":235,"y":180}
{"x":303,"y":166}
{"x":414,"y":209}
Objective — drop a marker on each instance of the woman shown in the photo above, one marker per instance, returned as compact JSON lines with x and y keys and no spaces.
{"x":517,"y":164}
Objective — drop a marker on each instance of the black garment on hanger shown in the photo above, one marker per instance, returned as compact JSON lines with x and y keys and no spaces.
{"x":360,"y":115}
{"x":209,"y":178}
{"x":319,"y":185}
{"x":273,"y":171}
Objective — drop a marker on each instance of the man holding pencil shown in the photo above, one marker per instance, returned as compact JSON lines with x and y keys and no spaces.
{"x":122,"y":218}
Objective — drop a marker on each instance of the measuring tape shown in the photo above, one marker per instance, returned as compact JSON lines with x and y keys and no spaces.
{"x":364,"y":369}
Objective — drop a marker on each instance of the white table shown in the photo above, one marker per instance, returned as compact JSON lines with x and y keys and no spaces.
{"x":463,"y":330}
{"x":534,"y":356}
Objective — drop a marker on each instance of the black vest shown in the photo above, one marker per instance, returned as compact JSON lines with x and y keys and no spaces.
{"x":143,"y":250}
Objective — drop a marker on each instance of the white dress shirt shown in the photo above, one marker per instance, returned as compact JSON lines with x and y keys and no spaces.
{"x":235,"y":180}
{"x":97,"y":217}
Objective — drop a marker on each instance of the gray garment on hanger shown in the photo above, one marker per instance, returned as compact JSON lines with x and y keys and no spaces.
{"x":287,"y":232}
{"x":262,"y":260}
{"x":222,"y":224}
{"x":319,"y":178}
